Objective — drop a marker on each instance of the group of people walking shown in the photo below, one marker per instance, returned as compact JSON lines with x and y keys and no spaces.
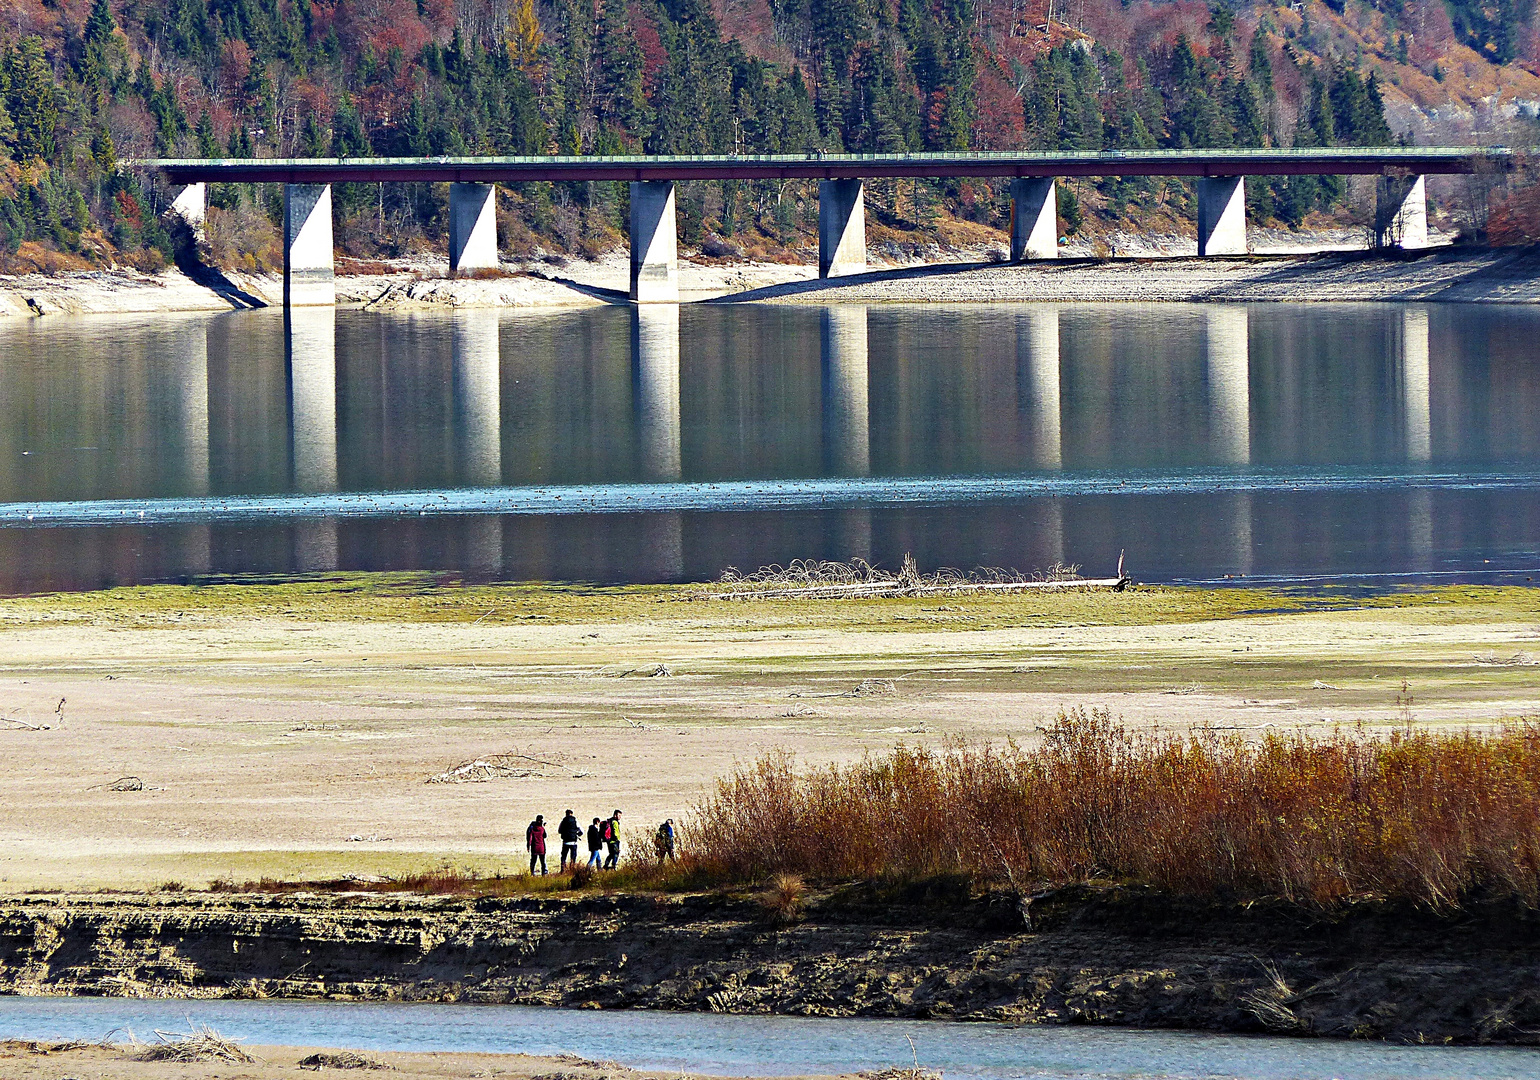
{"x":603,"y":838}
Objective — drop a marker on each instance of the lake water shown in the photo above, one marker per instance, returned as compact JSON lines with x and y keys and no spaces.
{"x":1360,"y":443}
{"x":767,"y":1045}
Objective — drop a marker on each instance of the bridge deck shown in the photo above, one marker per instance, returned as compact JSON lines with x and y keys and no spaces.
{"x":1329,"y":161}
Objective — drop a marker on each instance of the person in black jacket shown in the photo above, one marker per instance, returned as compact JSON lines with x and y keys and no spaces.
{"x":595,"y":845}
{"x":570,"y":832}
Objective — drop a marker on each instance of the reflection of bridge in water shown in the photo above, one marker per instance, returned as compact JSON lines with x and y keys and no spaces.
{"x":452,"y":407}
{"x":475,"y":416}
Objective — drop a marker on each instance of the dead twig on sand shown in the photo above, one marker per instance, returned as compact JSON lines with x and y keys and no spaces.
{"x":23,"y":724}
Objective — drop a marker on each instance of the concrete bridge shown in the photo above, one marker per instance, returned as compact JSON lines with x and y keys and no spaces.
{"x":1401,"y":212}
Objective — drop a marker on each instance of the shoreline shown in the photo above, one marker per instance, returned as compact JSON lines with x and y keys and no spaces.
{"x":27,"y":1059}
{"x":1106,"y":956}
{"x":1438,"y":275}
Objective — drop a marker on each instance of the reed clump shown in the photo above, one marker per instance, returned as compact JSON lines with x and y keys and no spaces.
{"x":1433,"y":818}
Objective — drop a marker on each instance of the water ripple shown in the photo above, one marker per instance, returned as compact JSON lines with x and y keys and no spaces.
{"x":733,"y":495}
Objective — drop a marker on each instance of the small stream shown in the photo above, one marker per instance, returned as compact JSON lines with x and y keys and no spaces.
{"x":765,"y":1045}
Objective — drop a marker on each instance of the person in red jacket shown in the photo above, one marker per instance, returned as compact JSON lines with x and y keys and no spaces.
{"x":534,"y":839}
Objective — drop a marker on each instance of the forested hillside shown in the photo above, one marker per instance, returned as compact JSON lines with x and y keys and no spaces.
{"x":86,"y":84}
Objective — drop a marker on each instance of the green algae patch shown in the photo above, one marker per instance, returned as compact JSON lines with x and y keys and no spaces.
{"x":431,"y":598}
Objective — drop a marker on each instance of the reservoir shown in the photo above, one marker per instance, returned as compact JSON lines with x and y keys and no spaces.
{"x":1355,"y":443}
{"x":767,"y":1045}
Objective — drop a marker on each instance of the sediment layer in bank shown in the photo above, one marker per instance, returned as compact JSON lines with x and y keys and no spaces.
{"x":1104,"y":956}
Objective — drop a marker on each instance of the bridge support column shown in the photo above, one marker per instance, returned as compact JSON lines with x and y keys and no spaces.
{"x":841,"y":228}
{"x":1221,"y":215}
{"x":308,"y":278}
{"x":1401,"y":213}
{"x":472,"y":228}
{"x":1034,"y":219}
{"x":654,"y":243}
{"x":191,"y":205}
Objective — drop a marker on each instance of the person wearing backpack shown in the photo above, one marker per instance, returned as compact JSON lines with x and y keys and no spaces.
{"x":612,"y":840}
{"x":595,"y":845}
{"x":570,"y":832}
{"x":534,"y":839}
{"x":663,"y":841}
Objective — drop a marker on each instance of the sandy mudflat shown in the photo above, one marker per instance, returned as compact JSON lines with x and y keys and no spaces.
{"x":45,"y":1061}
{"x":291,"y":730}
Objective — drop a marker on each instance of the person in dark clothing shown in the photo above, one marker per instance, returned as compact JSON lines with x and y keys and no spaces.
{"x":611,"y":831}
{"x":595,"y":845}
{"x":534,"y":839}
{"x":663,"y":841}
{"x":570,"y":832}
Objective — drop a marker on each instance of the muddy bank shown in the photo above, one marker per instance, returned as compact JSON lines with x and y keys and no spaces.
{"x":1440,"y":275}
{"x":1102,"y":957}
{"x":1463,"y":275}
{"x":29,"y":1060}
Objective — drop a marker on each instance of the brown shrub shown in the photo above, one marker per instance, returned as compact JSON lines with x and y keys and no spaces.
{"x":1416,"y":815}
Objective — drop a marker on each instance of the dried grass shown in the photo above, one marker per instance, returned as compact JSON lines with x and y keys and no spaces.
{"x":339,"y":1059}
{"x":1429,"y":817}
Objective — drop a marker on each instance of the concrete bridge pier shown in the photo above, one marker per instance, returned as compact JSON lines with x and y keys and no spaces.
{"x":1221,"y":215}
{"x":308,"y":276}
{"x":1228,"y":359}
{"x":846,"y":409}
{"x":1037,"y":367}
{"x":841,"y":228}
{"x":654,"y":243}
{"x":1401,"y":213}
{"x":311,"y":353}
{"x":472,"y":228}
{"x":191,"y":204}
{"x":1034,"y":219}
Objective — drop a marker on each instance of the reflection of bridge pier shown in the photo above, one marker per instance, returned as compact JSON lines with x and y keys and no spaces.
{"x":310,"y":339}
{"x":478,"y":429}
{"x":655,"y":348}
{"x":847,"y":420}
{"x":1037,"y":366}
{"x":1417,"y":412}
{"x":192,"y":385}
{"x":1415,"y":379}
{"x":1228,"y":360}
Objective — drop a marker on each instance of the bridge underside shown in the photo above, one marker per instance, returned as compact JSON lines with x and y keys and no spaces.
{"x":1401,"y":216}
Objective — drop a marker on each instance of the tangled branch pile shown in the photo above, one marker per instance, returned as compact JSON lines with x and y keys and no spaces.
{"x":509,"y":766}
{"x":1433,"y":818}
{"x":202,"y":1043}
{"x":820,"y":579}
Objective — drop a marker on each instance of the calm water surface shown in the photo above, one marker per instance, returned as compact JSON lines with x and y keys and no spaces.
{"x":767,"y":1045}
{"x":1366,"y":442}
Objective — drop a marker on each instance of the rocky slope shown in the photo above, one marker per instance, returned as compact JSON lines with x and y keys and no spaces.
{"x":1102,"y":957}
